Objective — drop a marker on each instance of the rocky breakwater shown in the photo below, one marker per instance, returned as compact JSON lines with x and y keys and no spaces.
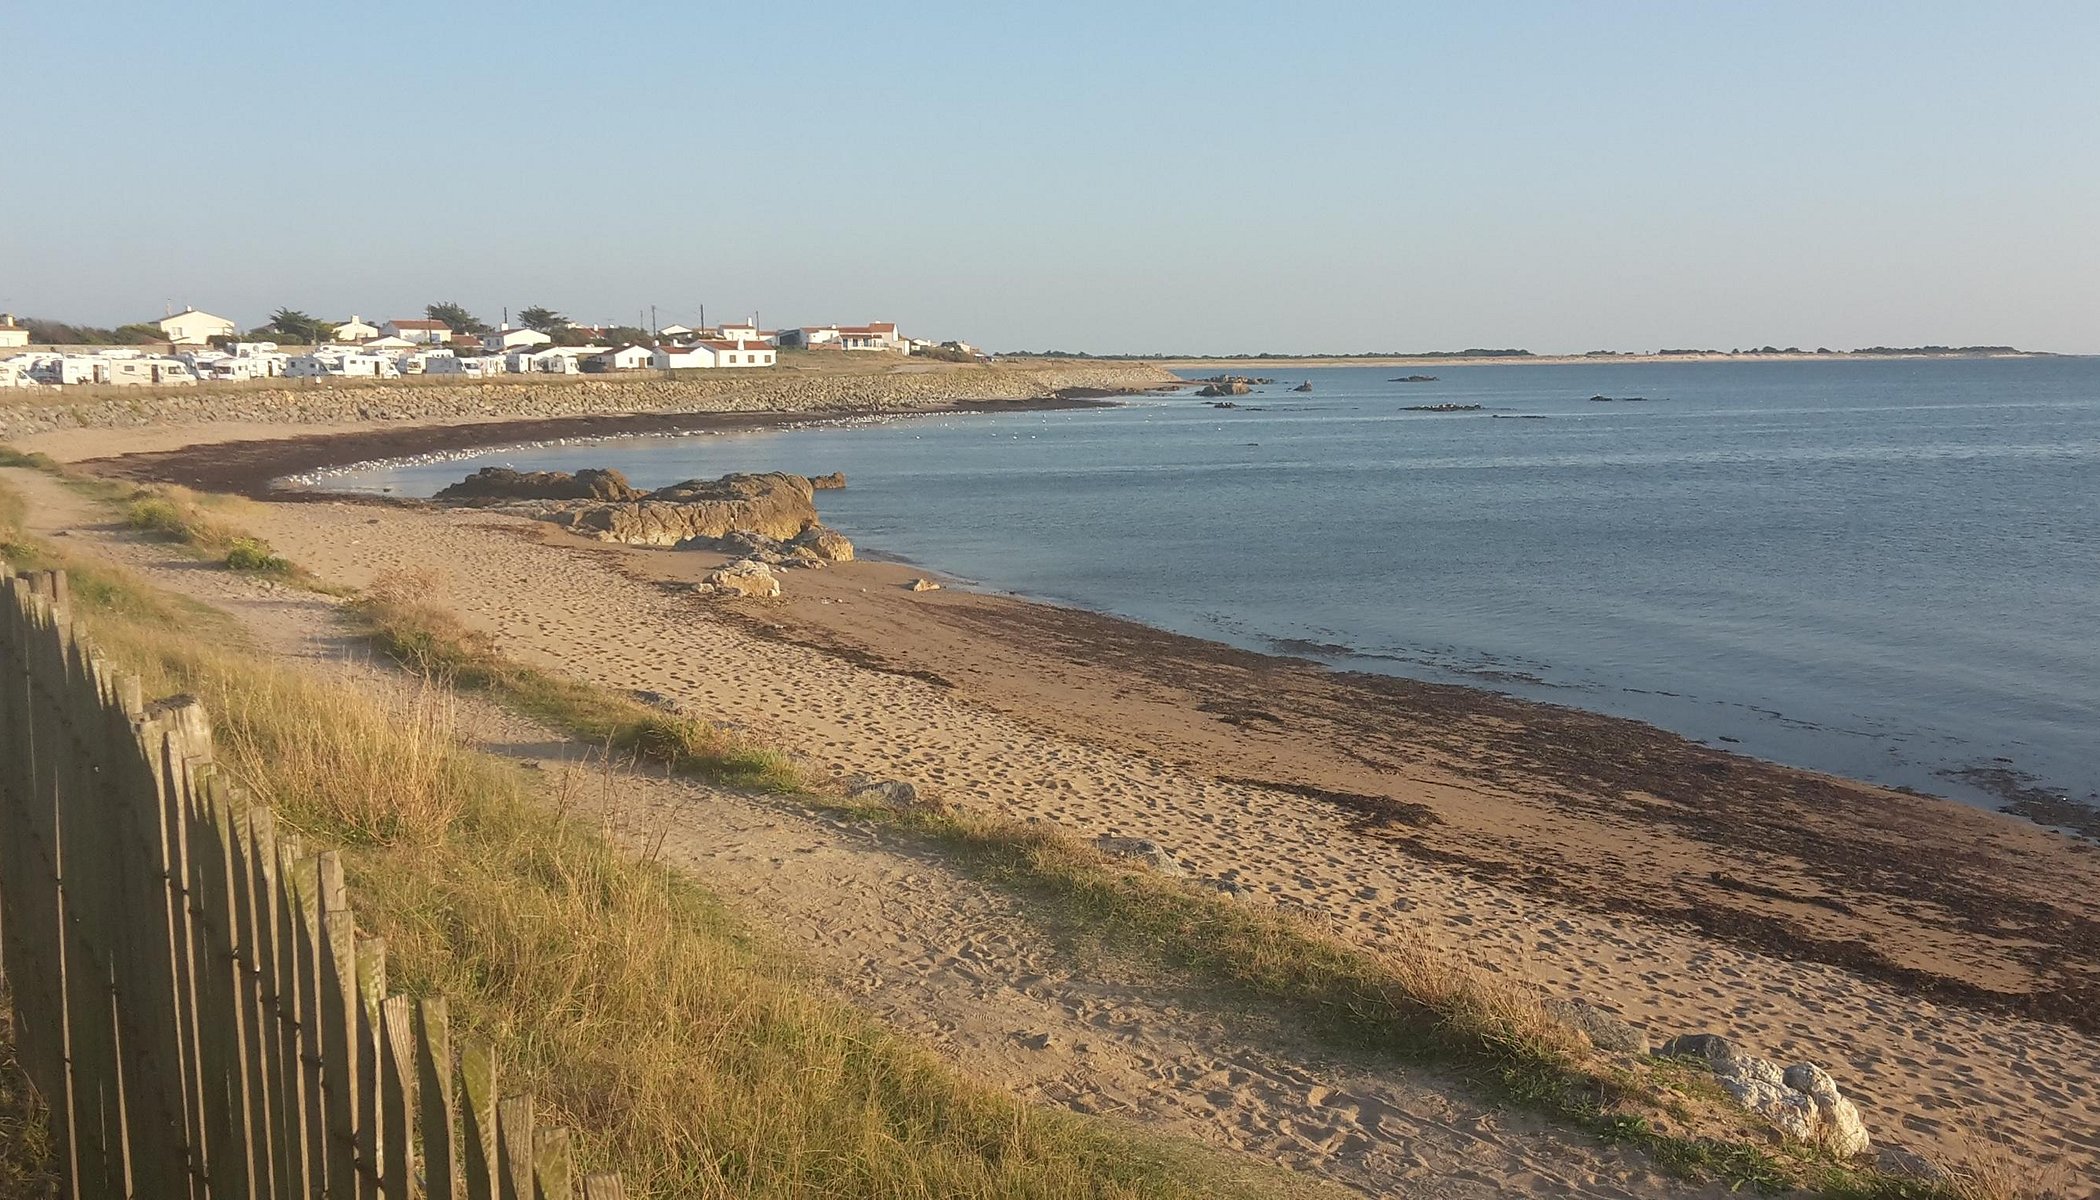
{"x":763,"y":521}
{"x":350,"y":402}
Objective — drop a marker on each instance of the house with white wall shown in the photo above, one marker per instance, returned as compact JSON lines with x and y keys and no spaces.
{"x":711,"y":354}
{"x":506,"y":339}
{"x":12,"y":336}
{"x":418,"y":330}
{"x":356,"y":329}
{"x":626,"y":358}
{"x":192,"y":328}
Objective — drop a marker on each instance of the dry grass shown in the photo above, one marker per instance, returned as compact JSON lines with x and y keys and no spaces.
{"x":26,"y":1165}
{"x":208,"y":525}
{"x":681,"y":1049}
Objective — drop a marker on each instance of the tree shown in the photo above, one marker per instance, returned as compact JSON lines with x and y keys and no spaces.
{"x":299,"y":327}
{"x":546,"y":320}
{"x":629,"y":335}
{"x":456,"y":317}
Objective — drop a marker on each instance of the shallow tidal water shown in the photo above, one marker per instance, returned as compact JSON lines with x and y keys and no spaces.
{"x":1883,"y":569}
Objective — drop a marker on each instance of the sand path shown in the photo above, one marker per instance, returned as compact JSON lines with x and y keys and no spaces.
{"x":1927,"y":1076}
{"x":962,"y":966}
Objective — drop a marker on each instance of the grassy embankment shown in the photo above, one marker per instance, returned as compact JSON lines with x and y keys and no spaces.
{"x":620,"y":992}
{"x":449,"y":859}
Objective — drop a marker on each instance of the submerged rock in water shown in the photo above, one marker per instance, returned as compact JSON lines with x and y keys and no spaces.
{"x":1303,"y":387}
{"x":831,"y":482}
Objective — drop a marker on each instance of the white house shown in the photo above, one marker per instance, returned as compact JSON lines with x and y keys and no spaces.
{"x":192,"y":328}
{"x":809,"y":337}
{"x":713,"y":354}
{"x":356,"y":329}
{"x":11,"y":334}
{"x":507,"y":338}
{"x":746,"y":331}
{"x":626,"y":358}
{"x":419,"y":331}
{"x":674,"y":332}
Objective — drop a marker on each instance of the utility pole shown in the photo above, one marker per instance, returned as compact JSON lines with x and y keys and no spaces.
{"x":653,"y":326}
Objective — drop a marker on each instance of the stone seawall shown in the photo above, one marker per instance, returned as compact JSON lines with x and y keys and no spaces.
{"x":784,"y":390}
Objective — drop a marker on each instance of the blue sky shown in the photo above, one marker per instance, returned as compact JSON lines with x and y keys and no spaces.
{"x":1109,"y":177}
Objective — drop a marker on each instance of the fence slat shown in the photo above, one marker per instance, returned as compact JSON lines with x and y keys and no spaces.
{"x":305,"y":914}
{"x":338,"y":1017}
{"x":191,"y":994}
{"x":372,"y":1133}
{"x":552,"y":1177}
{"x":434,"y":1093}
{"x":478,"y":1153}
{"x":514,"y":1147}
{"x":397,"y":1095}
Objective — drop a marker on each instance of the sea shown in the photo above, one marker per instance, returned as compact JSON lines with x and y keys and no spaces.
{"x":1886,"y":569}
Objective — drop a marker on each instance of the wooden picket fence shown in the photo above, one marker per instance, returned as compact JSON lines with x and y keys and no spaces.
{"x":192,"y":996}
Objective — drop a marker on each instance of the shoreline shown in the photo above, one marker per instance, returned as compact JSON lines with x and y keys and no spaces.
{"x":1481,"y":735}
{"x":254,"y":467}
{"x":1943,"y":955}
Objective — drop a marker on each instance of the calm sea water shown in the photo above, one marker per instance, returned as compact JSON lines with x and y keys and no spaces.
{"x":1885,"y":569}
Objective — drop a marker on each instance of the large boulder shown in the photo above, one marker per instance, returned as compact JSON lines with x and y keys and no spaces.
{"x":745,"y":577}
{"x":497,"y":484}
{"x":837,"y":479}
{"x":1840,"y":1130}
{"x":827,"y":544}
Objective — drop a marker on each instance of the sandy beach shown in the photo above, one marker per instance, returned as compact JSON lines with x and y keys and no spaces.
{"x":1943,"y":962}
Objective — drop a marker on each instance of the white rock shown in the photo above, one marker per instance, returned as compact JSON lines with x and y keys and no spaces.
{"x":1791,"y":1112}
{"x":745,"y":577}
{"x":1840,"y":1130}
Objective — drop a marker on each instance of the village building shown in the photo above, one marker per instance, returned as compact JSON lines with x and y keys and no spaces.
{"x":507,"y":338}
{"x":418,"y":330}
{"x":626,"y":358}
{"x":12,"y":336}
{"x":356,"y":329}
{"x":674,"y":332}
{"x":709,"y":355}
{"x":192,"y":328}
{"x":876,"y":335}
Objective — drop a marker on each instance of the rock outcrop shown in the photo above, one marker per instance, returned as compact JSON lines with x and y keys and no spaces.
{"x":831,"y":482}
{"x":698,"y":510}
{"x":1802,"y":1102}
{"x":497,"y":484}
